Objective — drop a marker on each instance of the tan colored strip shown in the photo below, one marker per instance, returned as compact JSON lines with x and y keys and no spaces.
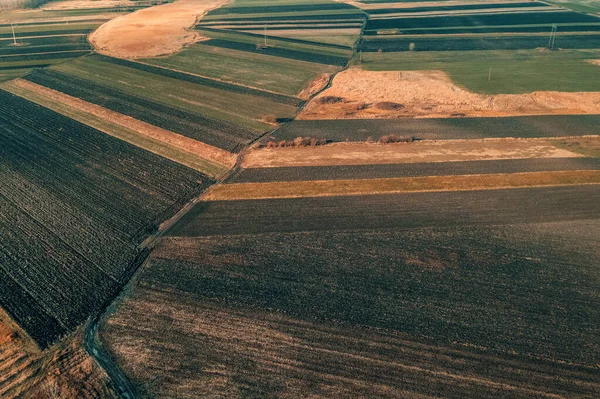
{"x":323,"y":188}
{"x":183,"y":143}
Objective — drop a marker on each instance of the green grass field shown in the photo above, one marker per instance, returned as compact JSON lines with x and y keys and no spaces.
{"x":281,"y":75}
{"x":519,"y":71}
{"x":589,"y":6}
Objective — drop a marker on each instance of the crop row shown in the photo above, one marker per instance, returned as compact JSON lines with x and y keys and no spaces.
{"x":43,"y":56}
{"x":377,"y":11}
{"x":524,"y":18}
{"x":495,"y":29}
{"x":279,"y":8}
{"x":479,"y":43}
{"x":19,"y":34}
{"x":75,"y":205}
{"x":278,"y":52}
{"x":283,"y":39}
{"x":217,"y":133}
{"x":275,"y":18}
{"x":83,"y":45}
{"x":279,"y":98}
{"x":444,"y":128}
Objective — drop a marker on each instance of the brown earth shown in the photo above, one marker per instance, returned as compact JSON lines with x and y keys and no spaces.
{"x":420,"y":151}
{"x":594,"y":62}
{"x":63,"y":371}
{"x":433,"y":94}
{"x":327,"y":188}
{"x":153,"y":31}
{"x":186,"y":144}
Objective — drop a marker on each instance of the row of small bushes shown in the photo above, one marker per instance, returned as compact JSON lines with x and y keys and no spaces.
{"x":314,"y":142}
{"x":297,"y":142}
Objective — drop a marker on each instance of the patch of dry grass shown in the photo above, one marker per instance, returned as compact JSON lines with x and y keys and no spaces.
{"x":319,"y":188}
{"x":419,"y":151}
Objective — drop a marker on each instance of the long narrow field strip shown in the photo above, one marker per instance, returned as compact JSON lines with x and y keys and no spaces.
{"x":416,"y":169}
{"x":420,"y":151}
{"x":549,"y":204}
{"x":480,"y":42}
{"x":324,"y":188}
{"x":444,"y":128}
{"x":88,"y":200}
{"x":207,"y":159}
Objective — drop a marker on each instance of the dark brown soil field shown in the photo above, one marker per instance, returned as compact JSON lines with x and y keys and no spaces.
{"x":466,"y":208}
{"x":75,"y":205}
{"x":263,"y":175}
{"x":445,"y":128}
{"x":457,"y":311}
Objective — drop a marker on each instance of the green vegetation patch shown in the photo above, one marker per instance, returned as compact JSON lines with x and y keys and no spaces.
{"x":520,"y":71}
{"x":281,"y":75}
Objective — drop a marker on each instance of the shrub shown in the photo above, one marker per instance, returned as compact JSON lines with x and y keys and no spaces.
{"x":329,"y":100}
{"x":392,"y":138}
{"x":270,"y":118}
{"x":388,"y":106}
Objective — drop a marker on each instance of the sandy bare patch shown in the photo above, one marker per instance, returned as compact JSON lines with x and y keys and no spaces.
{"x":433,"y":94}
{"x":594,"y":62}
{"x":153,"y":31}
{"x":178,"y":141}
{"x":420,"y":151}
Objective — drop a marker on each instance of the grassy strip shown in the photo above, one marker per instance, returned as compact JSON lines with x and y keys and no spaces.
{"x":321,"y":188}
{"x":114,"y":129}
{"x":588,"y":146}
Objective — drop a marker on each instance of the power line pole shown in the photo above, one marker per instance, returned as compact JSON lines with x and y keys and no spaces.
{"x":490,"y":75}
{"x":552,"y":37}
{"x":13,"y":32}
{"x":265,"y":35}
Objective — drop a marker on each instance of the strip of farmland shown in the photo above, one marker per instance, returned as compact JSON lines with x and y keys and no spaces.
{"x":459,"y":7}
{"x":213,"y":132}
{"x":565,"y":41}
{"x":494,"y":29}
{"x":405,"y":210}
{"x":525,"y":18}
{"x":335,"y":172}
{"x":88,"y":200}
{"x":444,"y":128}
{"x":326,"y":188}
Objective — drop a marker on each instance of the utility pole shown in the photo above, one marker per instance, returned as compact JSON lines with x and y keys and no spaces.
{"x":13,"y":32}
{"x":265,"y":35}
{"x":552,"y":39}
{"x":490,"y":75}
